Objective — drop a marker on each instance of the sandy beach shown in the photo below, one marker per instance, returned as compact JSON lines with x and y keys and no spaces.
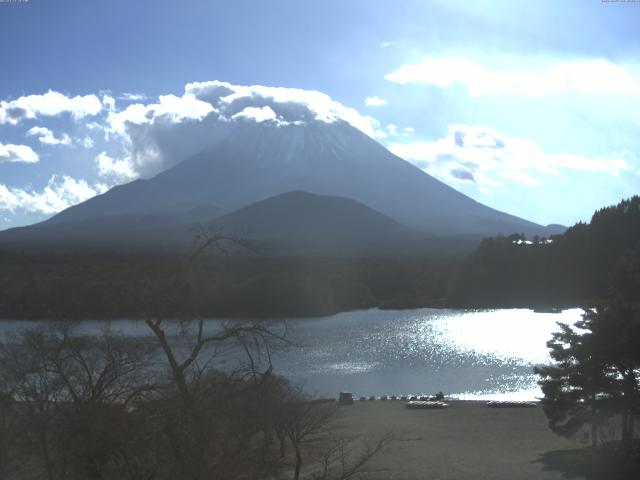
{"x":465,"y":441}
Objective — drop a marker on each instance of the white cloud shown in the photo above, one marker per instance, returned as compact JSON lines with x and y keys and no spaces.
{"x":133,"y":97}
{"x":385,"y":44}
{"x":134,"y":114}
{"x":118,"y":170}
{"x":154,"y":135}
{"x":47,"y":105}
{"x":471,"y":153}
{"x":47,"y":137}
{"x":17,"y":154}
{"x":109,"y":103}
{"x":182,"y":108}
{"x":381,"y":134}
{"x":523,"y":178}
{"x":259,"y":115}
{"x":201,"y":99}
{"x":596,"y":76}
{"x":160,"y":134}
{"x":391,"y":130}
{"x":291,"y":105}
{"x":58,"y":194}
{"x":95,"y":126}
{"x":169,"y":107}
{"x":375,"y":101}
{"x":86,"y":142}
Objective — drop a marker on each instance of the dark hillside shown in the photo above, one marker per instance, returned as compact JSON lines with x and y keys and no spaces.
{"x":587,"y":262}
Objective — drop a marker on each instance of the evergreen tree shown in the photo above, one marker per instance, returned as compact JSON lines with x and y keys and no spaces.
{"x":575,"y":387}
{"x":616,"y":330}
{"x":597,"y":371}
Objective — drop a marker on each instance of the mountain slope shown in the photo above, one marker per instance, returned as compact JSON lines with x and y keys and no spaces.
{"x":257,"y":161}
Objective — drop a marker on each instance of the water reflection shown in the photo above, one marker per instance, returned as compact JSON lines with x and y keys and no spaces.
{"x":468,"y":354}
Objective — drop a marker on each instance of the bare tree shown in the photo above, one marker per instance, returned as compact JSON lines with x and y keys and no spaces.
{"x":343,"y":458}
{"x":74,"y":396}
{"x":306,"y":419}
{"x":310,"y":423}
{"x":217,"y":415}
{"x":8,"y":434}
{"x":28,"y":380}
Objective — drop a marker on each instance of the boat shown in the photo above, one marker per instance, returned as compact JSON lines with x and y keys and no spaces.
{"x":426,"y":405}
{"x":511,"y":404}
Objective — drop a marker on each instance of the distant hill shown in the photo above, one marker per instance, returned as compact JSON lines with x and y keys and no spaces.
{"x":302,"y":220}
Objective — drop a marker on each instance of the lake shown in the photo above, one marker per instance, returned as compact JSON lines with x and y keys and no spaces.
{"x":468,"y":354}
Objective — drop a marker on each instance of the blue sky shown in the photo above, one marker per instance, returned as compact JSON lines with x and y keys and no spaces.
{"x":529,"y":107}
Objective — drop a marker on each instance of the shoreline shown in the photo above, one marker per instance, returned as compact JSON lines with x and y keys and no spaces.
{"x":466,"y":440}
{"x":294,"y":317}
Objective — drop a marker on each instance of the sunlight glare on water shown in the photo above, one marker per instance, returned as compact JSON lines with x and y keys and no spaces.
{"x":509,"y":335}
{"x":469,"y":354}
{"x":466,"y":353}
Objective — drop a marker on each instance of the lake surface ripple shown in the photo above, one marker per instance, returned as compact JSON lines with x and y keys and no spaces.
{"x":470,"y":354}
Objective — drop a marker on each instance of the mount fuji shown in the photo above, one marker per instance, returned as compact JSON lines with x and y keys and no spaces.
{"x":255,"y":161}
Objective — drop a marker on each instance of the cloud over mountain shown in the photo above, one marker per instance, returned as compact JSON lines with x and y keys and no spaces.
{"x":144,"y":136}
{"x":157,"y":135}
{"x":118,"y":137}
{"x":117,"y":170}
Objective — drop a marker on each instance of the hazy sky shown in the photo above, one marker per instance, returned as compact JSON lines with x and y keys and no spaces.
{"x":527,"y":106}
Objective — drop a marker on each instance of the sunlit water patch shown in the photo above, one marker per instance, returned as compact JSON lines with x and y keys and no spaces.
{"x":484,"y":354}
{"x":466,"y":354}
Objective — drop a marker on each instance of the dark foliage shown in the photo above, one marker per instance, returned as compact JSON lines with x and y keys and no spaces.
{"x":588,"y":261}
{"x":100,"y":285}
{"x":595,"y":382}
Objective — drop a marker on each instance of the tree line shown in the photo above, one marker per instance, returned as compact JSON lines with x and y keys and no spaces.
{"x":589,"y":261}
{"x":111,"y":285}
{"x":586,"y":262}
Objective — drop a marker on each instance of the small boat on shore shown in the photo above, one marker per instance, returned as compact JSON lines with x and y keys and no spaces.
{"x":511,"y":404}
{"x":426,"y":405}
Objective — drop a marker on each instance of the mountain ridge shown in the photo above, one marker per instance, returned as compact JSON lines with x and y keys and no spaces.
{"x":255,"y":162}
